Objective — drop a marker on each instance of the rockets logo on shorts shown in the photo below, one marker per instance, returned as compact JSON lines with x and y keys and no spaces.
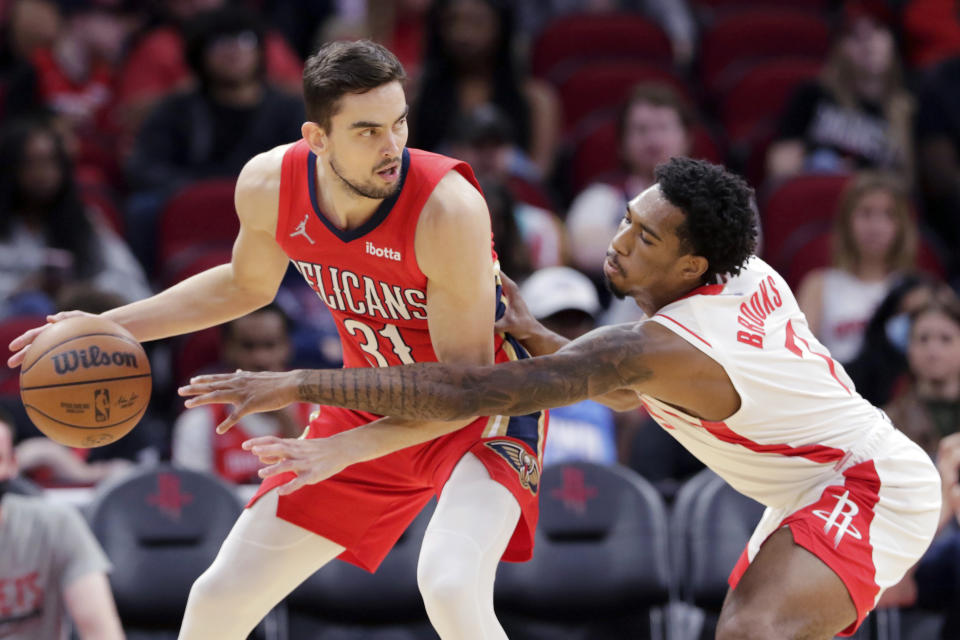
{"x":525,"y":464}
{"x":841,"y":517}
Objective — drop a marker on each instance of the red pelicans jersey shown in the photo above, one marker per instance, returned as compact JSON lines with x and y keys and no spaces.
{"x":368,"y":276}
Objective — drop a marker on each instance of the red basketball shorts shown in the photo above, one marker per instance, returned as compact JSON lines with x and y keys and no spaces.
{"x":869,"y":523}
{"x":367,"y":506}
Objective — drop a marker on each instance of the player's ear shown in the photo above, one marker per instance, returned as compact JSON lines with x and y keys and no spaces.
{"x":693,"y":267}
{"x":315,"y":136}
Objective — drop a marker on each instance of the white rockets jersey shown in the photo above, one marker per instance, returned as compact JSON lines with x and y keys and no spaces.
{"x":800,"y":416}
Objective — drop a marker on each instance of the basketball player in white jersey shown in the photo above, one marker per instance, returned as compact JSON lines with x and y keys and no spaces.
{"x":726,"y":363}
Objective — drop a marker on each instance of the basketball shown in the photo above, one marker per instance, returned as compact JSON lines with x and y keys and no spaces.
{"x":85,"y":382}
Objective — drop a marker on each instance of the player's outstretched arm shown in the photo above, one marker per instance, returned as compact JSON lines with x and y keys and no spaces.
{"x":540,"y":341}
{"x":609,"y":358}
{"x":219,"y":294}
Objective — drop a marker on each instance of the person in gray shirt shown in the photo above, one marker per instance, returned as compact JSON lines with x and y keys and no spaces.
{"x":51,"y":567}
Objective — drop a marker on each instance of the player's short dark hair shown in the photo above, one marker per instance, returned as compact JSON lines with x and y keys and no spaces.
{"x":720,"y":223}
{"x":338,"y":68}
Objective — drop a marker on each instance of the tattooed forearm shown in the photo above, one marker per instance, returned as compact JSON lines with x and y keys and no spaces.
{"x":604,"y":360}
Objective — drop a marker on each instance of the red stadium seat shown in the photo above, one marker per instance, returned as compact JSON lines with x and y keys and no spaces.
{"x":739,"y":5}
{"x":814,"y":253}
{"x":597,"y":152}
{"x":201,"y":215}
{"x":573,"y":40}
{"x":603,"y":87}
{"x":739,"y":40}
{"x":798,"y":202}
{"x":192,"y":261}
{"x":757,"y":98}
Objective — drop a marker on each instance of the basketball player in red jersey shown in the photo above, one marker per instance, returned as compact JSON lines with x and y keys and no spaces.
{"x":396,"y":241}
{"x":727,"y":365}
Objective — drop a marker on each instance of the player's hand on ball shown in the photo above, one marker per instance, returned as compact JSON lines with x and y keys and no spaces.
{"x":248,"y":392}
{"x":21,"y":343}
{"x":312,"y":460}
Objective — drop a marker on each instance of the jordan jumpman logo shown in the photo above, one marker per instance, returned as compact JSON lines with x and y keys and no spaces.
{"x":301,"y":229}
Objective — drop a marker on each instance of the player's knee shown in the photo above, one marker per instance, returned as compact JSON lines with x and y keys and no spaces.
{"x":209,"y":591}
{"x":446,"y":586}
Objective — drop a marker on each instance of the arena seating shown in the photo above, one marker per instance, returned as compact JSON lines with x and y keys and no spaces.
{"x":161,"y":527}
{"x":343,"y":602}
{"x":601,"y":564}
{"x":198,"y":217}
{"x":572,"y":40}
{"x":710,"y":526}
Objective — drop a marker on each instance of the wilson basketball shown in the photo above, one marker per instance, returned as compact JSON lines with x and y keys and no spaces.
{"x":85,"y":382}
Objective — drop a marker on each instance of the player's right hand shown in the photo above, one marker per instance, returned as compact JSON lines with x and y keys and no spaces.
{"x":21,"y":343}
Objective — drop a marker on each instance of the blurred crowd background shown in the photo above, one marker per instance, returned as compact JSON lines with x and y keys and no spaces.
{"x":126,"y":122}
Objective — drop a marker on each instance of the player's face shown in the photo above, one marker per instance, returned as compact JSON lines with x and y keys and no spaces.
{"x":934,"y":351}
{"x":258,"y":342}
{"x":645,"y":259}
{"x":366,"y":140}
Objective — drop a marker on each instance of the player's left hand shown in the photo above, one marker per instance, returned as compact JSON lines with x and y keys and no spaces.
{"x":311,"y":460}
{"x":248,"y":392}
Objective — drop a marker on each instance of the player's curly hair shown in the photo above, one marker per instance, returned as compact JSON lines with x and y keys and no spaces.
{"x":720,"y":221}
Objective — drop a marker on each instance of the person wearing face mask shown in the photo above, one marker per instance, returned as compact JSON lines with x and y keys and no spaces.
{"x":858,"y":114}
{"x":874,"y":242}
{"x":929,"y":409}
{"x":259,"y":341}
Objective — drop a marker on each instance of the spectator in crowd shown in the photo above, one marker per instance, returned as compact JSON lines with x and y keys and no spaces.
{"x":929,"y":408}
{"x":931,"y":31}
{"x":858,"y":114}
{"x":259,"y":341}
{"x":938,"y":148}
{"x":938,"y":572}
{"x":73,"y":78}
{"x":882,"y":362}
{"x":469,"y":62}
{"x":566,"y":302}
{"x":874,"y":242}
{"x":482,"y":138}
{"x":212,"y":130}
{"x":234,"y":113}
{"x":156,"y":65}
{"x":53,"y":570}
{"x":47,"y":237}
{"x":654,"y":126}
{"x":30,"y":25}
